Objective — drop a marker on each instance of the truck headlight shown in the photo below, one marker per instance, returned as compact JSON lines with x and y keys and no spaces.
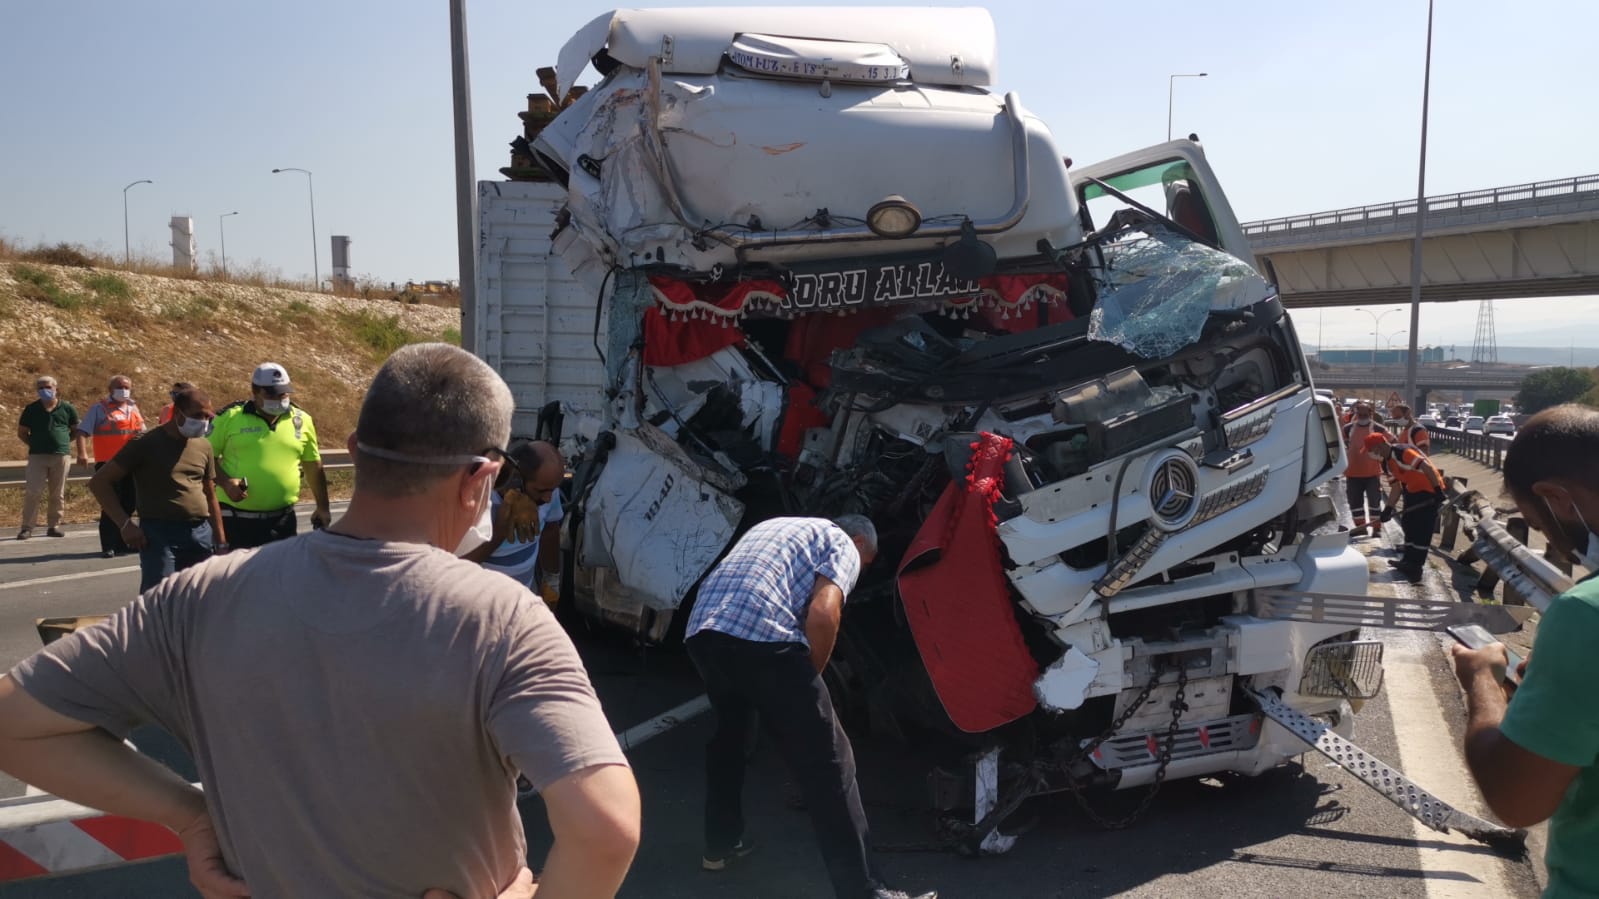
{"x":894,"y":217}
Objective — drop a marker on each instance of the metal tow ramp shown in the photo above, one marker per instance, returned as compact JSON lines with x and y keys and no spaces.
{"x":1387,"y":780}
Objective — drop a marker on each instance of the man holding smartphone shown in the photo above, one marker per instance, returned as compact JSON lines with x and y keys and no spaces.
{"x":1534,"y":749}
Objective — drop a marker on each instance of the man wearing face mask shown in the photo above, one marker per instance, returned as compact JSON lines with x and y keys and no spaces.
{"x":174,"y":474}
{"x":1407,"y":432}
{"x":359,"y":700}
{"x":109,"y":425}
{"x":1534,"y":752}
{"x":263,"y":447}
{"x":1414,"y":477}
{"x":46,"y":426}
{"x":1363,"y":477}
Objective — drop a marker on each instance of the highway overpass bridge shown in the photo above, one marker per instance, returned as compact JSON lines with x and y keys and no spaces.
{"x":1527,"y":240}
{"x":1428,"y":379}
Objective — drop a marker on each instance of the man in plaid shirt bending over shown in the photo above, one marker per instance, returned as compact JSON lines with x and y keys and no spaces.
{"x":760,"y":635}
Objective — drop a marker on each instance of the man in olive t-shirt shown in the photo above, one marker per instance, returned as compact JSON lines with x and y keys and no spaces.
{"x":174,"y":474}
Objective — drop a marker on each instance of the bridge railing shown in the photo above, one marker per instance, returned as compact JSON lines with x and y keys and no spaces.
{"x":1488,"y":449}
{"x":1388,"y":212}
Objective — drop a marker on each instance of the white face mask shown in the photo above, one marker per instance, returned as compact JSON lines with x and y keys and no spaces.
{"x":275,"y":407}
{"x":1364,"y":420}
{"x":195,"y":427}
{"x":481,"y":530}
{"x":1588,"y":558}
{"x":122,"y":394}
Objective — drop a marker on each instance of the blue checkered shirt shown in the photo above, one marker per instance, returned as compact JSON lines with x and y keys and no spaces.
{"x":762,"y":591}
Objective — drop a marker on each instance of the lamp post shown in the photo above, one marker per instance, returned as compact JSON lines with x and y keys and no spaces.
{"x":1421,"y":216}
{"x":316,"y":270}
{"x":1396,"y":334}
{"x":223,"y":234}
{"x":127,"y":254}
{"x":1376,"y":335}
{"x":1171,"y":86}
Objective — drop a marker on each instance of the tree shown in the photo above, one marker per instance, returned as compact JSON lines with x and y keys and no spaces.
{"x":1552,"y":386}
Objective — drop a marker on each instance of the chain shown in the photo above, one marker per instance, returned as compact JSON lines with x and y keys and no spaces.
{"x":1178,"y":706}
{"x":959,"y":836}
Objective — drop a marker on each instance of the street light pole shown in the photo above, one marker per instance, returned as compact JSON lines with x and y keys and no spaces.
{"x":1421,"y":215}
{"x":223,"y":234}
{"x":465,"y":176}
{"x":1396,"y":334}
{"x":316,"y":269}
{"x":1171,"y":86}
{"x":1376,"y":335}
{"x":127,"y":254}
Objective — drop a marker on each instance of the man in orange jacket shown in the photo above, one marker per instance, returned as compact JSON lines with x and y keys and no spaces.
{"x":1412,"y":475}
{"x":109,"y":425}
{"x":1363,"y":477}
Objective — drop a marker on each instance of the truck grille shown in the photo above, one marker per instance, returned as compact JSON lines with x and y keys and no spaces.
{"x":1173,"y":490}
{"x":1350,"y":670}
{"x":1207,"y":738}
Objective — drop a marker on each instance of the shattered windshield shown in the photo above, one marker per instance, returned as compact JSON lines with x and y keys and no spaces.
{"x":1157,"y":288}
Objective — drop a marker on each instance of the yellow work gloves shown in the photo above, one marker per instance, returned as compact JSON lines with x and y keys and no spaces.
{"x":519,"y":517}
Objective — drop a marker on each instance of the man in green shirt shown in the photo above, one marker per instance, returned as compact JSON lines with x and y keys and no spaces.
{"x":263,"y":445}
{"x":47,"y":427}
{"x":1534,"y":750}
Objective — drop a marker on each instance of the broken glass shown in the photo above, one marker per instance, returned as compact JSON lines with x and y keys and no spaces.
{"x":1158,"y":287}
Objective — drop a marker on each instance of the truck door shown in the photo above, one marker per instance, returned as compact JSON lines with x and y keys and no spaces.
{"x":1174,"y":180}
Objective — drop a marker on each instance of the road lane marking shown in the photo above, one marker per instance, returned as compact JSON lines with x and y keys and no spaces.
{"x":58,"y":578}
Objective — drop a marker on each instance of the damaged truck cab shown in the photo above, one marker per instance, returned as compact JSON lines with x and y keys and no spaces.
{"x":804,"y":261}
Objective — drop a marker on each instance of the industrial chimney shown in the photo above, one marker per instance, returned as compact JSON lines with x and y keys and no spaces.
{"x":184,"y":257}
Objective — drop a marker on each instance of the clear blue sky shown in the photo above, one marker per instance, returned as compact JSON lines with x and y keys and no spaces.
{"x":1308,"y":106}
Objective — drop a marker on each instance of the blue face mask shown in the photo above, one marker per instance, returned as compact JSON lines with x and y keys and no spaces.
{"x":47,"y":394}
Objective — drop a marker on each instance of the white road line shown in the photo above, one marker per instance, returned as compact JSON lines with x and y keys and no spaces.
{"x":58,"y":578}
{"x":1427,"y":750}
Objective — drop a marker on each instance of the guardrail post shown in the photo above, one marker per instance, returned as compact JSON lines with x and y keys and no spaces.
{"x":1517,"y":528}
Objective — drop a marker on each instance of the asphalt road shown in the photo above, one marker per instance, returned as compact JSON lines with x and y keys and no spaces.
{"x":1302,"y":829}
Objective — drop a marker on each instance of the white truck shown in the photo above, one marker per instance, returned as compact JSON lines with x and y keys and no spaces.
{"x":805,"y":261}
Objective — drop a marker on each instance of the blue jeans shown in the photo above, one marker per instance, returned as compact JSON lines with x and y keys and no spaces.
{"x":171,"y":546}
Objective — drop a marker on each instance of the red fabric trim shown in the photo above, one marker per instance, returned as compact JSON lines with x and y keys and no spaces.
{"x":958,"y":603}
{"x":800,"y":416}
{"x":677,"y":343}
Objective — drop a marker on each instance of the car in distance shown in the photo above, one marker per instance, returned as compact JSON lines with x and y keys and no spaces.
{"x":1499,"y":424}
{"x":1474,"y":423}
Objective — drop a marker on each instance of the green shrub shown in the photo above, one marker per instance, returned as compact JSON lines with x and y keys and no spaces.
{"x":108,"y":286}
{"x":40,"y":287}
{"x":451,"y":336}
{"x":190,"y":309}
{"x":60,"y":254}
{"x":384,"y":334}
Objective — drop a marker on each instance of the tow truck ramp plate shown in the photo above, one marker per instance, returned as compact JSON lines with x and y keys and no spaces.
{"x":1380,"y":611}
{"x":1393,"y":785}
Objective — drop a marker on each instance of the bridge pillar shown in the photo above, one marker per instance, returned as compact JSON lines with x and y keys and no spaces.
{"x":1421,"y":399}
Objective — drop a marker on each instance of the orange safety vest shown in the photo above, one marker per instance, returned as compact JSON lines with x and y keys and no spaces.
{"x":115,"y":428}
{"x":1360,"y":464}
{"x":1414,"y":471}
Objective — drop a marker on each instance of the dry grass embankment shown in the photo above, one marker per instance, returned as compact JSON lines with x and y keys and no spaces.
{"x":84,"y":324}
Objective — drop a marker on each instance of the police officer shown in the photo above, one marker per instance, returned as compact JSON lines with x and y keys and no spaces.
{"x":263,"y":446}
{"x":1412,"y":474}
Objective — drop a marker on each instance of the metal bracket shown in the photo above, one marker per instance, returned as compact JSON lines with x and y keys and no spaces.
{"x":1389,"y":781}
{"x":987,"y":798}
{"x":1384,"y":612}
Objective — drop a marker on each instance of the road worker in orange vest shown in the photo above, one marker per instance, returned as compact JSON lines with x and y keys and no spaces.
{"x":1363,"y":477}
{"x":1412,"y":475}
{"x":109,"y":425}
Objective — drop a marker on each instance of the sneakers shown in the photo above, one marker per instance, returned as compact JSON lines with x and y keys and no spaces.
{"x":720,"y":861}
{"x":108,"y":553}
{"x":25,"y":533}
{"x":886,"y":893}
{"x":55,"y":532}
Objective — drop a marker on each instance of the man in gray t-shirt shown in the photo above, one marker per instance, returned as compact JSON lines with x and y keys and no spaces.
{"x":358,"y":701}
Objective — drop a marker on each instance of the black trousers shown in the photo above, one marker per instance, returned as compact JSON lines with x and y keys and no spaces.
{"x":775,"y":682}
{"x":1419,"y":520}
{"x":245,"y":530}
{"x":1367,"y":490}
{"x":110,"y":536}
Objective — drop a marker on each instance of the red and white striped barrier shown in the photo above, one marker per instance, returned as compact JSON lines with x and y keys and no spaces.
{"x":43,"y":836}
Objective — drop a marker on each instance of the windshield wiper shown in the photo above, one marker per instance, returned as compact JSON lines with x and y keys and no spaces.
{"x":1141,"y":208}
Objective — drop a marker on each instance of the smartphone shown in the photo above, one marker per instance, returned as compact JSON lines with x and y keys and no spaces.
{"x":1475,"y":636}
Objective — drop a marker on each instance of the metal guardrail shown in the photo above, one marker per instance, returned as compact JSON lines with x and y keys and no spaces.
{"x":1471,"y":200}
{"x":1488,"y":449}
{"x":16,"y":473}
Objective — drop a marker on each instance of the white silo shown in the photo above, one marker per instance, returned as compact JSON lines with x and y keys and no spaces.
{"x":341,"y":260}
{"x":184,"y":257}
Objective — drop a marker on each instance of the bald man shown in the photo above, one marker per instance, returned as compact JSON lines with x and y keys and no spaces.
{"x":526,"y":545}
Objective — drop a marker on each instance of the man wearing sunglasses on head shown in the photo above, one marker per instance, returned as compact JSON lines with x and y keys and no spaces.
{"x":359,"y":701}
{"x":526,"y":541}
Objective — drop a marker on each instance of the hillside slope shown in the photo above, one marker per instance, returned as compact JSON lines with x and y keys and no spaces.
{"x":84,"y":325}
